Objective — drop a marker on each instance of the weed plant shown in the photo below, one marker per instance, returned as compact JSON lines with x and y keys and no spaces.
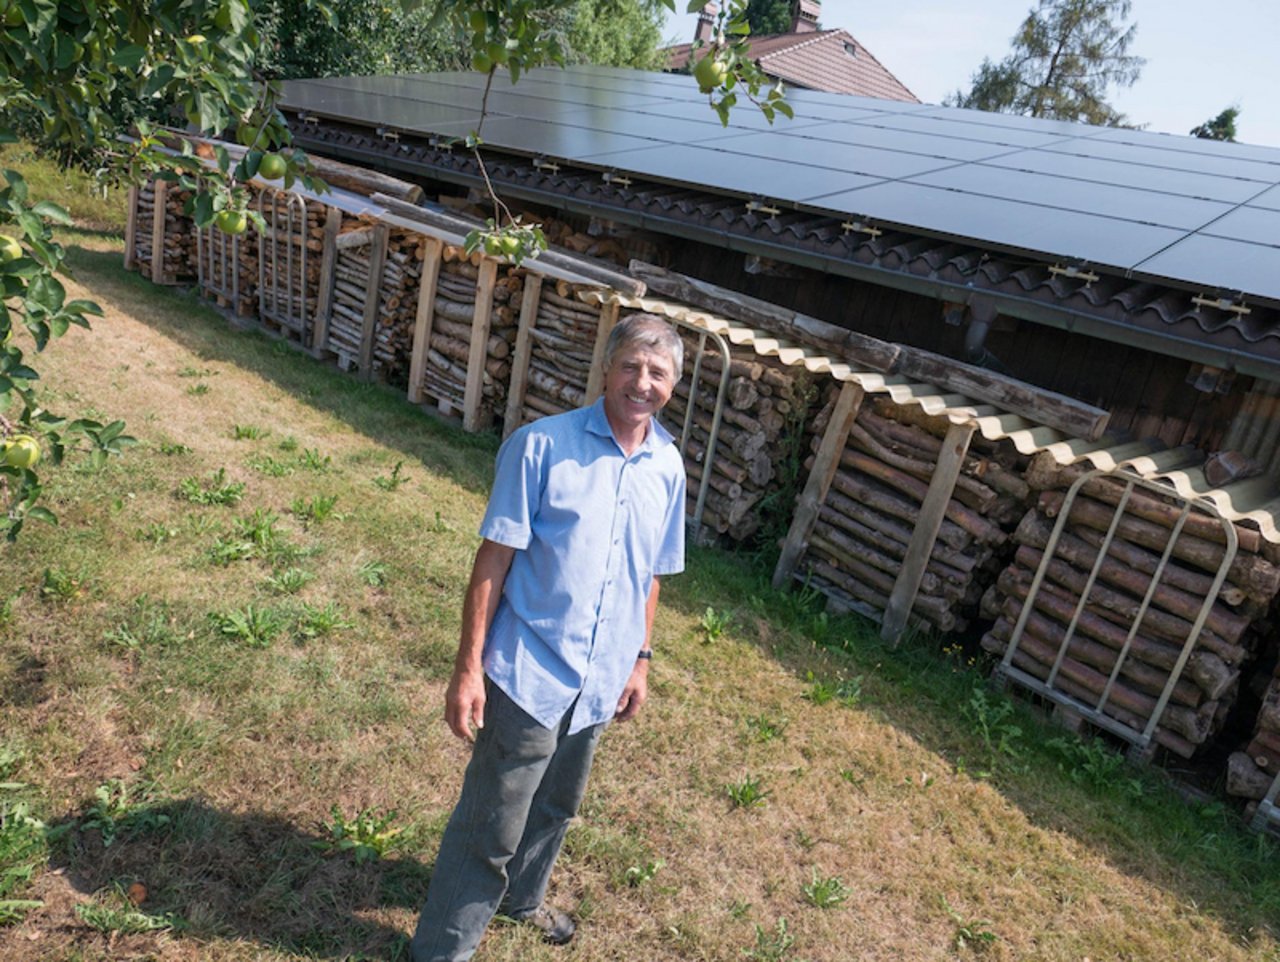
{"x":825,"y":892}
{"x":747,"y":793}
{"x":216,"y":491}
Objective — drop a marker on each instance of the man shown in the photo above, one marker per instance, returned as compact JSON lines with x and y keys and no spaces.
{"x":587,"y":511}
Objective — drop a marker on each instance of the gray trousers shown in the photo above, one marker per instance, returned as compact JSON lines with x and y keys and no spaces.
{"x":522,"y":786}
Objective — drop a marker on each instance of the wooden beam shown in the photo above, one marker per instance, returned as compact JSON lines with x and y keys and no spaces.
{"x":372,"y":295}
{"x":556,"y":262}
{"x":955,"y":446}
{"x":131,"y":230}
{"x":324,"y":299}
{"x":595,"y":377}
{"x":847,"y":345}
{"x":1054,"y":410}
{"x":821,"y":475}
{"x":479,"y":345}
{"x":157,"y":232}
{"x":426,"y":315}
{"x":520,"y":356}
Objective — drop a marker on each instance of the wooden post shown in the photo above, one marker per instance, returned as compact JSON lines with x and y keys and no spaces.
{"x":815,"y":491}
{"x":479,"y":345}
{"x":426,"y":314}
{"x":157,"y":232}
{"x":372,"y":295}
{"x":520,"y":357}
{"x":595,"y":377}
{"x":324,"y":299}
{"x":955,"y":446}
{"x":131,"y":230}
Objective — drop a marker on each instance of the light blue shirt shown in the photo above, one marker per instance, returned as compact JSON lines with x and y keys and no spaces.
{"x":592,"y":528}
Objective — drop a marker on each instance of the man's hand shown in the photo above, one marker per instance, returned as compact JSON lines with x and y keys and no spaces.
{"x":464,"y":703}
{"x":634,"y":695}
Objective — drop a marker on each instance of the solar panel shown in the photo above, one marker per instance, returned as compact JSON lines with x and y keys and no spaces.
{"x":873,"y":133}
{"x":1082,"y":196}
{"x":1254,"y":224}
{"x":765,"y":177}
{"x":858,"y":159}
{"x":561,"y":141}
{"x":1270,"y":199}
{"x":1219,"y":264}
{"x":1050,"y":232}
{"x":1123,"y":199}
{"x":1125,"y":174}
{"x":1155,"y":157}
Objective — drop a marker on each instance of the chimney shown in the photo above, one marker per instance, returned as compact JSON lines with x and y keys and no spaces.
{"x":706,"y":23}
{"x":805,"y":16}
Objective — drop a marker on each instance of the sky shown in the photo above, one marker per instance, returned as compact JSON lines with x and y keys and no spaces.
{"x":1202,"y":55}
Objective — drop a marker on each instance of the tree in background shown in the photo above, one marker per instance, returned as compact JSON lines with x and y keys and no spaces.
{"x":769,"y":16}
{"x":359,"y":39}
{"x":1221,"y":127}
{"x":1064,"y":60}
{"x":616,"y":33}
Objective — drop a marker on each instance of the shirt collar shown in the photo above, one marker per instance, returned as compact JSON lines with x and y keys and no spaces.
{"x":656,"y":437}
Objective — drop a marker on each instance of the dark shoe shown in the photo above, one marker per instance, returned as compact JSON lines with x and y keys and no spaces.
{"x":556,"y":926}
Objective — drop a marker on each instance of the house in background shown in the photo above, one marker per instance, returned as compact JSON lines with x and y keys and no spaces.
{"x":808,"y":57}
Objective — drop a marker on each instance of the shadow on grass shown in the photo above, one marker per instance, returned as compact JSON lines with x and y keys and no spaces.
{"x":1132,"y":816}
{"x":378,"y":411}
{"x":210,"y":874}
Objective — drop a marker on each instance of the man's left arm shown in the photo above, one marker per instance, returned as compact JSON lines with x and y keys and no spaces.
{"x":637,"y":690}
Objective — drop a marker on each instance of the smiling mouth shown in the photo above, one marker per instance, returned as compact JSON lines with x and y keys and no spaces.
{"x":637,"y":400}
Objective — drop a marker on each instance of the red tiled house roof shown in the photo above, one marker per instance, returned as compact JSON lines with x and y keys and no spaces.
{"x":828,"y":60}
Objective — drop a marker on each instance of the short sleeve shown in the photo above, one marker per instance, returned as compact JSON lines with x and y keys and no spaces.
{"x":670,"y":559}
{"x":517,"y":490}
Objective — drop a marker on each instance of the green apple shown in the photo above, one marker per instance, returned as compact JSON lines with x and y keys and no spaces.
{"x":22,"y":451}
{"x":10,"y":249}
{"x":231,"y":221}
{"x":709,"y":73}
{"x":272,"y":167}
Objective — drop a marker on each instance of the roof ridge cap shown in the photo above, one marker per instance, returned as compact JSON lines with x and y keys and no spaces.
{"x":818,"y":36}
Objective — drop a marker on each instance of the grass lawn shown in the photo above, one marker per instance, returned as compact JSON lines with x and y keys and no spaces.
{"x":221,"y":734}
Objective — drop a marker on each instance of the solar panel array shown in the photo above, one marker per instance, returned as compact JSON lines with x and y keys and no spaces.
{"x":1154,"y":205}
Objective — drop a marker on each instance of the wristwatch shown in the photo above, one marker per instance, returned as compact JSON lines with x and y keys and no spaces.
{"x":644,"y":654}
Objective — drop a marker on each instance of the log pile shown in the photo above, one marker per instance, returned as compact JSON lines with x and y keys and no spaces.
{"x":396,"y":289}
{"x":860,"y":537}
{"x":175,"y":236}
{"x":1207,"y":687}
{"x":562,"y":341}
{"x":290,"y":251}
{"x":765,"y":407}
{"x":1250,"y":772}
{"x":454,"y":312}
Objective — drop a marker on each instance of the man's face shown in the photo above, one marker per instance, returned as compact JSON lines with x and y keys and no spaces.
{"x":637,"y":384}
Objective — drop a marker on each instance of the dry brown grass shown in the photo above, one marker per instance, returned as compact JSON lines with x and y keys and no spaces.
{"x":243,"y":751}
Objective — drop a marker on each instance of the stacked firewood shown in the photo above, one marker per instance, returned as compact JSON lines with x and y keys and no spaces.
{"x":178,"y":243}
{"x":445,"y":373}
{"x":561,"y":347}
{"x":1207,"y":687}
{"x":399,"y":288}
{"x":351,"y":282}
{"x":766,"y":403}
{"x":291,"y":248}
{"x":860,"y":539}
{"x":1251,"y":772}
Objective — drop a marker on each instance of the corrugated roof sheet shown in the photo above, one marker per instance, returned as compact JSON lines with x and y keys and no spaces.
{"x":1254,"y":501}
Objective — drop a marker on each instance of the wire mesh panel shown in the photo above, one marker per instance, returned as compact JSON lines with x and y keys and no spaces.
{"x":1117,"y":657}
{"x":288,"y":270}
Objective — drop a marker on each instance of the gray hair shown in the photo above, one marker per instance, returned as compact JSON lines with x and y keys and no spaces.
{"x":646,"y":330}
